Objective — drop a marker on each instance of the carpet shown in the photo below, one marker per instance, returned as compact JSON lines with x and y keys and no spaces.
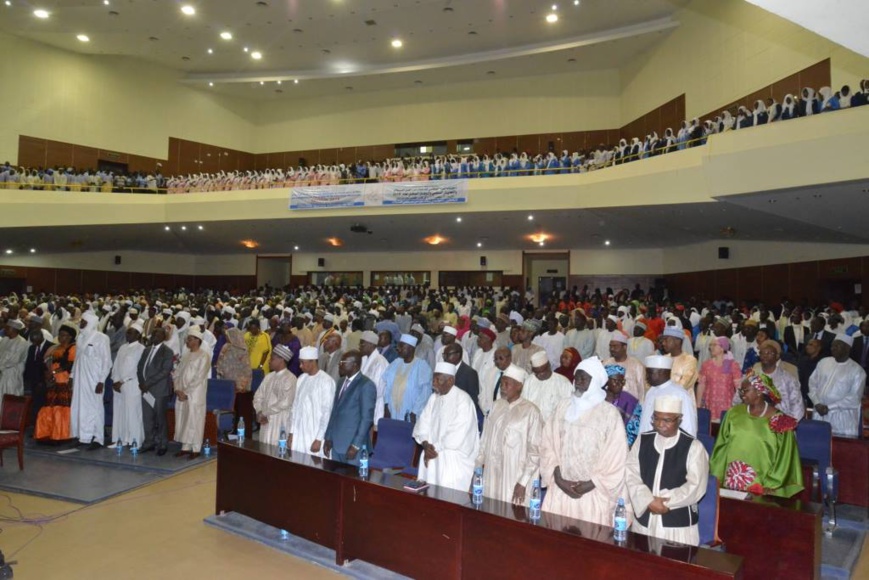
{"x":108,"y":457}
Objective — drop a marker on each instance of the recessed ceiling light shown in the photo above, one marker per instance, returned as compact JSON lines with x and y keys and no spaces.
{"x":530,"y":217}
{"x":8,"y":3}
{"x":552,"y":18}
{"x":576,"y":2}
{"x":83,"y":38}
{"x":250,"y":244}
{"x":246,"y":49}
{"x":606,"y":243}
{"x":279,"y":82}
{"x":8,"y":251}
{"x":200,"y":228}
{"x":458,"y":219}
{"x":256,"y":55}
{"x":296,"y":248}
{"x":166,"y":228}
{"x":188,"y":10}
{"x":479,"y":244}
{"x":210,"y":51}
{"x":210,"y":84}
{"x":396,"y":43}
{"x":32,"y":250}
{"x":226,"y":35}
{"x":295,"y":81}
{"x":555,"y":7}
{"x":184,"y":228}
{"x":542,"y":244}
{"x":106,"y":2}
{"x":262,"y":83}
{"x":40,"y":13}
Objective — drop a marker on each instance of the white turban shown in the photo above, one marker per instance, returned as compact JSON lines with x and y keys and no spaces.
{"x":619,"y":336}
{"x":657,"y":361}
{"x":668,"y":404}
{"x":445,"y":368}
{"x":309,"y":353}
{"x":408,"y":339}
{"x":595,"y":393}
{"x":516,"y":373}
{"x":450,"y":330}
{"x":849,"y":340}
{"x":539,"y":358}
{"x":369,"y":336}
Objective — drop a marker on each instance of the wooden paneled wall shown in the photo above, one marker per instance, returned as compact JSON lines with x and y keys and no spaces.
{"x":816,"y":76}
{"x":811,"y":282}
{"x":670,"y":114}
{"x":74,"y":281}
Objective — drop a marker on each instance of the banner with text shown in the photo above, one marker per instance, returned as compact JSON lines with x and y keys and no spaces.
{"x":379,"y":194}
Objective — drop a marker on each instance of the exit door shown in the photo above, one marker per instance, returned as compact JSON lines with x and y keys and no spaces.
{"x":546,"y":285}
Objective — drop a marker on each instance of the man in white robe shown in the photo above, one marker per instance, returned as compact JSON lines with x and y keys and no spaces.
{"x":635,"y":372}
{"x":584,"y":449}
{"x":127,"y":425}
{"x":545,"y":388}
{"x":552,"y":341}
{"x":373,"y":366}
{"x":484,"y":357}
{"x":658,"y":369}
{"x":510,"y":447}
{"x":665,"y":501}
{"x":93,"y":362}
{"x":639,"y":347}
{"x":13,"y":356}
{"x":602,"y":342}
{"x":273,"y":401}
{"x":580,"y":337}
{"x":447,"y":431}
{"x":836,"y":388}
{"x":309,"y":417}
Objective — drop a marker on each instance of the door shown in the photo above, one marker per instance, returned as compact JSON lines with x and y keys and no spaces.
{"x":546,"y":285}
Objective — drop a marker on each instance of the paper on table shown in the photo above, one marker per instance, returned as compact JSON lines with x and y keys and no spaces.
{"x":149,"y":398}
{"x":732,"y":493}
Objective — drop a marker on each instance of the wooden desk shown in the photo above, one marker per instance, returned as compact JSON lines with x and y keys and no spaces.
{"x":851,"y":458}
{"x":777,"y":538}
{"x":437,"y":533}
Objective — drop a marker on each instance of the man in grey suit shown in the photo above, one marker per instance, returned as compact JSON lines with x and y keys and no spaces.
{"x":155,"y":366}
{"x":352,"y":412}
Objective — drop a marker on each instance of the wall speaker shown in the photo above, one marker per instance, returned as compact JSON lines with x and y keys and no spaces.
{"x":483,"y":261}
{"x":117,"y":260}
{"x":723,"y":253}
{"x":321,"y":262}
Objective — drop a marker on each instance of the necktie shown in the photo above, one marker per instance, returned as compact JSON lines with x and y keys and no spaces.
{"x":148,"y":362}
{"x":497,"y":386}
{"x":343,"y":387}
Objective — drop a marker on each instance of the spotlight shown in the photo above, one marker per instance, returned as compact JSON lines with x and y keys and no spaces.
{"x":552,"y":18}
{"x":226,"y":35}
{"x":40,"y":13}
{"x":188,"y":10}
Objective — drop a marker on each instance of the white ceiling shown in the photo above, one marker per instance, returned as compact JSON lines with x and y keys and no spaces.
{"x":753,"y":217}
{"x":329,"y":45}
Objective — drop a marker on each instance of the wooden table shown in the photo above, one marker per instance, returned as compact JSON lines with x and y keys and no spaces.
{"x":437,"y":533}
{"x":777,"y":538}
{"x":851,"y":458}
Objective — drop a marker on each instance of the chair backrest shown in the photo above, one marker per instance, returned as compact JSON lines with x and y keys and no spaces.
{"x":15,"y":412}
{"x":704,"y":421}
{"x":220,"y":395}
{"x":707,"y":440}
{"x":395,"y":444}
{"x":708,"y":508}
{"x":723,"y":414}
{"x":815,"y":444}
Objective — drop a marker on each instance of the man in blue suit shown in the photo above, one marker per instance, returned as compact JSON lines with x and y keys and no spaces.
{"x":352,"y":412}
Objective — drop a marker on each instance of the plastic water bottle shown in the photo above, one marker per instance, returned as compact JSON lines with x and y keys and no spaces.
{"x":282,"y":441}
{"x":620,"y":522}
{"x":119,"y":448}
{"x":240,"y":429}
{"x":535,"y":502}
{"x":285,"y":535}
{"x":363,"y":461}
{"x":206,"y":448}
{"x":477,"y":486}
{"x":134,"y":448}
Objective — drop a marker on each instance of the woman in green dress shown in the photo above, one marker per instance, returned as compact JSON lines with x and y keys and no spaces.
{"x":756,"y":449}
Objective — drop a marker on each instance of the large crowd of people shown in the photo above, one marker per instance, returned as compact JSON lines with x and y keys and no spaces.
{"x":691,"y":133}
{"x":593,"y":395}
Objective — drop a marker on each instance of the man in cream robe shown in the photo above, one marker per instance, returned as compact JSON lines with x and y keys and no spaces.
{"x":510,"y":447}
{"x":93,"y":362}
{"x":447,"y":431}
{"x":309,"y":415}
{"x":13,"y":355}
{"x":374,"y":365}
{"x":584,"y":449}
{"x":666,"y":476}
{"x":191,"y":383}
{"x":836,"y":388}
{"x":635,"y":372}
{"x":543,"y":387}
{"x":127,"y":423}
{"x":273,"y":401}
{"x":684,"y":371}
{"x":639,"y":347}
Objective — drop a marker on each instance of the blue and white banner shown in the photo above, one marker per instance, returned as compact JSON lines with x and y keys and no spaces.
{"x":379,"y":194}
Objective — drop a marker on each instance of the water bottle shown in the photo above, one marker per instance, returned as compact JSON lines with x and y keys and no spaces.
{"x":285,"y":535}
{"x":282,"y":441}
{"x":535,"y":502}
{"x":134,"y":448}
{"x":206,"y":448}
{"x":119,"y":448}
{"x":477,"y":486}
{"x":240,"y":429}
{"x":620,"y":522}
{"x":363,"y":461}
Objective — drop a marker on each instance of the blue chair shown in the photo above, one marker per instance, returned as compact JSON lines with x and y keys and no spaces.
{"x":707,"y":440}
{"x":219,"y":402}
{"x":815,"y":444}
{"x":395,"y":445}
{"x":708,"y":508}
{"x":704,"y":421}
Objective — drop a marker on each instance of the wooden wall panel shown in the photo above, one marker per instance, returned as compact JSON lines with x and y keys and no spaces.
{"x":841,"y":269}
{"x":185,"y":281}
{"x":67,"y":281}
{"x":31,"y":151}
{"x":507,"y":143}
{"x":84,"y":157}
{"x":189,"y":157}
{"x":804,"y":282}
{"x":816,"y":76}
{"x":776,"y":282}
{"x":94,"y":281}
{"x":41,"y":279}
{"x":670,"y":114}
{"x":484,"y":146}
{"x":165,"y":281}
{"x":58,"y":153}
{"x":142,"y":280}
{"x":118,"y":281}
{"x":751,"y":284}
{"x":528,"y":143}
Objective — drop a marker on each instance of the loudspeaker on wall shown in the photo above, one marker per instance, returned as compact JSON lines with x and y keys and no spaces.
{"x":723,"y":253}
{"x":321,"y":262}
{"x":117,"y":260}
{"x":483,"y":261}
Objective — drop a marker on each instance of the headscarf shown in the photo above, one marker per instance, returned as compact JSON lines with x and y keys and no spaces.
{"x":595,"y":394}
{"x":88,"y":331}
{"x":724,"y":343}
{"x":613,"y":370}
{"x":763,"y":383}
{"x":463,"y":326}
{"x":233,"y":362}
{"x":575,"y":359}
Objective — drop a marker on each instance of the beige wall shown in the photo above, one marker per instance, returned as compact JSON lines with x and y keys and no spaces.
{"x":109,"y":102}
{"x":723,"y":50}
{"x":574,"y":102}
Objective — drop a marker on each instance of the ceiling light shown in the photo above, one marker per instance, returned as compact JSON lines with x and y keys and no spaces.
{"x":32,"y":250}
{"x":166,"y":228}
{"x":250,"y":244}
{"x":106,"y":2}
{"x":552,"y":18}
{"x":200,"y":228}
{"x":8,"y":3}
{"x":8,"y":251}
{"x":188,"y":10}
{"x":262,"y":83}
{"x":576,"y":2}
{"x":295,"y":81}
{"x":210,"y":51}
{"x":542,"y":244}
{"x":279,"y":82}
{"x":335,"y":242}
{"x":83,"y":38}
{"x":606,"y":243}
{"x":256,"y":55}
{"x":210,"y":84}
{"x":226,"y":35}
{"x":530,"y":218}
{"x":554,"y":7}
{"x":396,"y":43}
{"x":434,"y":240}
{"x":245,"y":49}
{"x":184,"y":228}
{"x":296,"y":248}
{"x":479,"y":244}
{"x":458,"y":219}
{"x":538,"y":238}
{"x":40,"y":13}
